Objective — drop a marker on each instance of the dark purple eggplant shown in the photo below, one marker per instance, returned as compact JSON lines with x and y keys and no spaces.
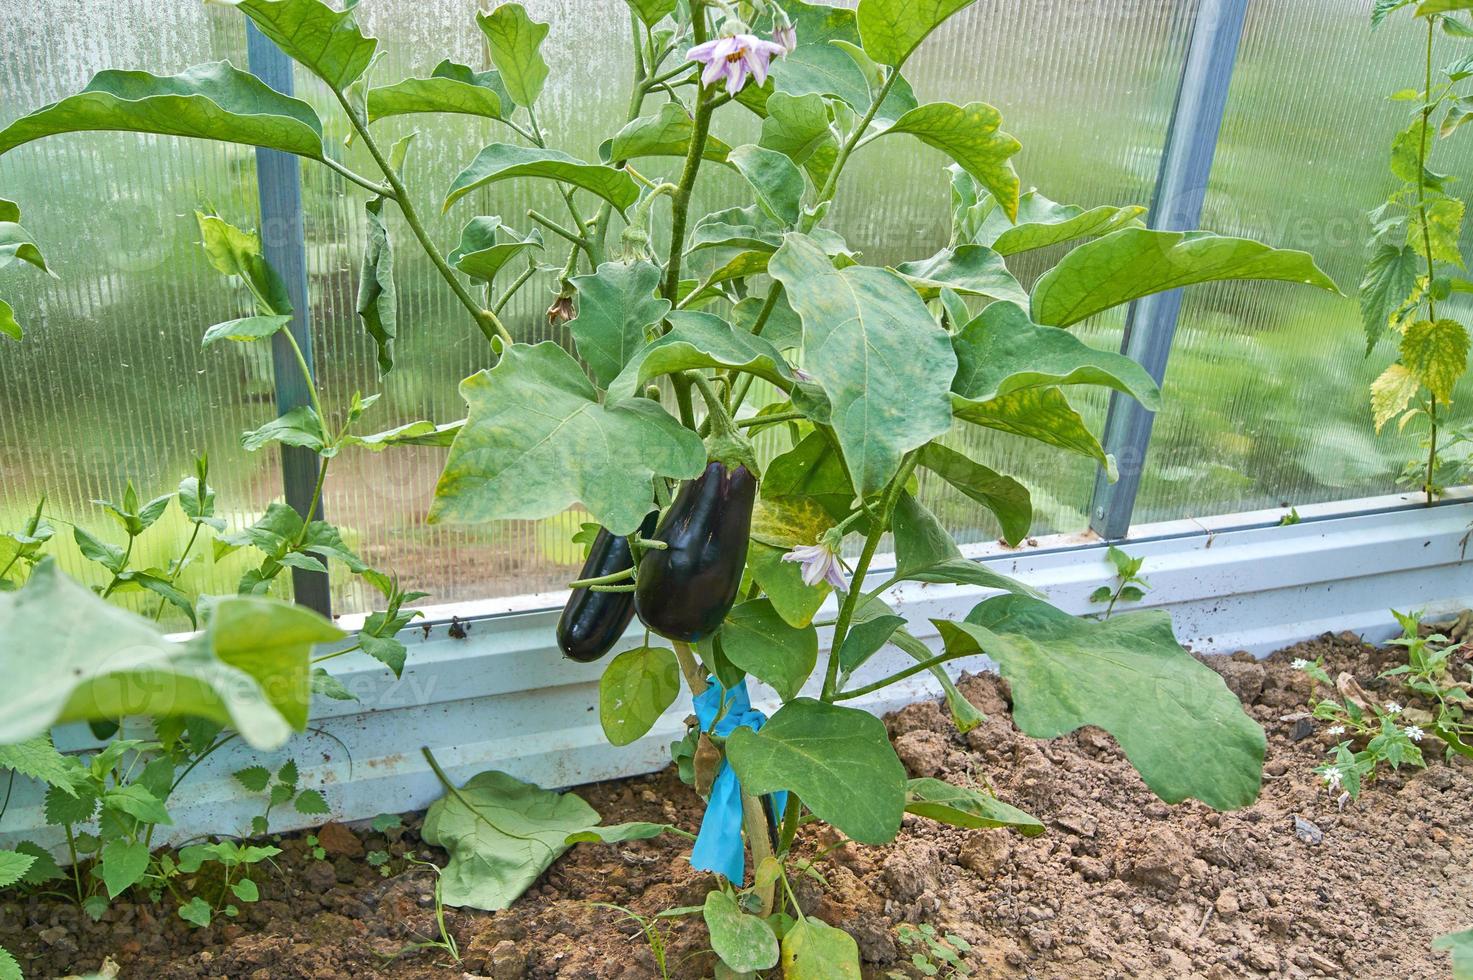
{"x":684,"y":591}
{"x":592,"y":622}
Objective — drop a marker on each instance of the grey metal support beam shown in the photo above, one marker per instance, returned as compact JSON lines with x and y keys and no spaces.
{"x":1181,"y":187}
{"x":283,"y":239}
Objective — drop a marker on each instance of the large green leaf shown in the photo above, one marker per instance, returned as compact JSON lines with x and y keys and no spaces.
{"x":665,"y":134}
{"x":782,"y":581}
{"x":449,"y":88}
{"x":378,"y":299}
{"x":123,"y":863}
{"x":617,"y":307}
{"x":756,"y":639}
{"x":72,"y":656}
{"x":925,"y":552}
{"x":212,"y":101}
{"x":870,"y":343}
{"x":636,"y":688}
{"x":892,"y":29}
{"x":1005,"y":497}
{"x":970,"y":135}
{"x":1001,"y":351}
{"x":820,"y":67}
{"x":501,"y":834}
{"x":15,"y":866}
{"x":700,"y":340}
{"x":972,"y":270}
{"x":798,"y":126}
{"x":739,"y":242}
{"x":503,"y":161}
{"x":959,"y":806}
{"x":651,"y":12}
{"x":16,"y":244}
{"x":1042,"y":223}
{"x":1041,"y":414}
{"x":774,"y":178}
{"x":37,"y":757}
{"x":537,"y":441}
{"x":9,"y":326}
{"x":1175,"y":719}
{"x":1135,"y":262}
{"x":744,"y":942}
{"x":516,"y":48}
{"x":838,"y":760}
{"x":1437,"y":353}
{"x":324,"y":40}
{"x":482,"y":253}
{"x":814,"y":950}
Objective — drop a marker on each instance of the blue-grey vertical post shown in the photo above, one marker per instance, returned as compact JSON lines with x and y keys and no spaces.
{"x":279,"y":181}
{"x":1181,"y":186}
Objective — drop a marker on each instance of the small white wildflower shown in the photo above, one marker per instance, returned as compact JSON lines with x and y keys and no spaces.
{"x":1392,"y":708}
{"x":1336,"y":729}
{"x":1300,"y":663}
{"x":1413,"y":732}
{"x":1333,"y":776}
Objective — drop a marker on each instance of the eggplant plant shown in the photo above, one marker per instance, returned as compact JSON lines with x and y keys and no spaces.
{"x":680,"y":325}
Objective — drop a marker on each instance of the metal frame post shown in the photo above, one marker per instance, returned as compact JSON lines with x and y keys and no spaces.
{"x":1181,"y":187}
{"x":283,"y":239}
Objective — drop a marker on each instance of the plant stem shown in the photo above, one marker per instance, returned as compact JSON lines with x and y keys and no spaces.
{"x":608,"y":579}
{"x":831,"y":185}
{"x":174,"y":575}
{"x":487,"y":322}
{"x":680,"y":209}
{"x":695,"y":678}
{"x":900,"y":675}
{"x":769,"y":419}
{"x":379,"y":189}
{"x":1422,"y":154}
{"x":307,"y":377}
{"x":754,"y":817}
{"x":71,"y":847}
{"x":556,"y":228}
{"x":516,"y":284}
{"x":851,"y":598}
{"x":789,"y":829}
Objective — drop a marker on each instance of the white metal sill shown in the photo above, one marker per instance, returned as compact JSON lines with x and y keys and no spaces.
{"x":504,"y":698}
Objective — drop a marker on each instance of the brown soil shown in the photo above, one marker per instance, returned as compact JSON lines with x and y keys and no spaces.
{"x":1122,"y":885}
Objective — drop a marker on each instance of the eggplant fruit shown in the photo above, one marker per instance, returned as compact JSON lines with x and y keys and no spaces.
{"x":592,"y":622}
{"x":685,"y":591}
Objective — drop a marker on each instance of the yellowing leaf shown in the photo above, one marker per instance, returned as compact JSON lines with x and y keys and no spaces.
{"x":1437,"y":353}
{"x":1444,"y":224}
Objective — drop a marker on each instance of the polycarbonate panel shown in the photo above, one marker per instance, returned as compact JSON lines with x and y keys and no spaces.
{"x":1087,"y":88}
{"x":1266,"y":392}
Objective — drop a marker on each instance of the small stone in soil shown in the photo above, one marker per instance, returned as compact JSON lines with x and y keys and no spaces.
{"x":1307,"y":831}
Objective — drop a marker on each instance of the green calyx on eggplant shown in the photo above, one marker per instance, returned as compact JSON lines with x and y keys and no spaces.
{"x":684,"y":591}
{"x":592,"y":622}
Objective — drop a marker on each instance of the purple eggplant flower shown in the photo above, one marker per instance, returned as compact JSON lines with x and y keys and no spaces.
{"x":820,"y":564}
{"x":787,"y":36}
{"x":735,"y":57}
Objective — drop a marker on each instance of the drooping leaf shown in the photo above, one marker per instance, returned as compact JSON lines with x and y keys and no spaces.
{"x":651,"y":12}
{"x":875,"y":351}
{"x":450,"y":87}
{"x":298,"y":427}
{"x":1001,"y":351}
{"x":538,"y":440}
{"x":516,"y":48}
{"x":865,"y":638}
{"x":1008,"y":499}
{"x":699,"y":340}
{"x":756,"y":639}
{"x":378,"y":300}
{"x":745,"y":943}
{"x":617,"y":833}
{"x":326,"y":41}
{"x":814,"y":950}
{"x":246,"y":329}
{"x":1042,"y":222}
{"x":636,"y":688}
{"x":959,"y":806}
{"x":798,"y":126}
{"x":17,"y":245}
{"x":665,"y":134}
{"x":105,"y":663}
{"x":1428,"y":8}
{"x":972,"y":270}
{"x":420,"y":433}
{"x":501,"y":834}
{"x":1135,"y":262}
{"x":1444,"y":226}
{"x":1042,"y":414}
{"x":617,"y":307}
{"x":9,"y":326}
{"x":212,"y":101}
{"x":1437,"y":353}
{"x":482,"y":253}
{"x":232,"y":251}
{"x":774,"y":178}
{"x":970,"y":135}
{"x":1391,"y":393}
{"x":503,"y":161}
{"x":838,"y":760}
{"x":892,"y":29}
{"x":1177,"y":722}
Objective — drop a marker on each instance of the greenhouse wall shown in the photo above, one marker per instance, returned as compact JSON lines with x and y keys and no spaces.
{"x":1265,"y":389}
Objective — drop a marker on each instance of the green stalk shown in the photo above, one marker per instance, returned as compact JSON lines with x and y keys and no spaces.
{"x":680,"y":209}
{"x":901,"y":675}
{"x":1422,"y":154}
{"x":174,"y":575}
{"x":831,"y":185}
{"x":754,"y":818}
{"x":487,"y":322}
